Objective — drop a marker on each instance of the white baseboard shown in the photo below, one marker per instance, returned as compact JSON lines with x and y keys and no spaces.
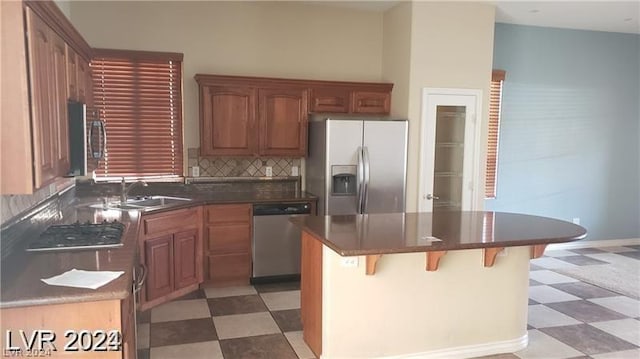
{"x":468,"y":351}
{"x":597,"y":243}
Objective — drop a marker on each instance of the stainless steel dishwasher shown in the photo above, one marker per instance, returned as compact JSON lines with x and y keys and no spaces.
{"x":276,"y":241}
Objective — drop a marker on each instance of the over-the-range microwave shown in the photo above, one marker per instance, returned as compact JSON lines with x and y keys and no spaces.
{"x":87,"y":139}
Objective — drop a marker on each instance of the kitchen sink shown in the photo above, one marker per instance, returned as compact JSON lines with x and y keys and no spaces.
{"x":142,"y":204}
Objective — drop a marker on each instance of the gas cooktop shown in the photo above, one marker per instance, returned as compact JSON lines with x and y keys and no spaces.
{"x":79,"y":236}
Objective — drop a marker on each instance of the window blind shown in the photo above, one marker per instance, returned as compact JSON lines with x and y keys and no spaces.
{"x":495,"y":101}
{"x":139,"y":97}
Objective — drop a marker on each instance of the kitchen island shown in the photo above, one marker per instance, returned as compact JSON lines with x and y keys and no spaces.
{"x":447,"y":284}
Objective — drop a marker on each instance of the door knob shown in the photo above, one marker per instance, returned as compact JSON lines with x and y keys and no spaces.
{"x":430,"y":196}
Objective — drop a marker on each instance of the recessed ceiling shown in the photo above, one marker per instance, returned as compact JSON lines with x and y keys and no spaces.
{"x":612,"y":16}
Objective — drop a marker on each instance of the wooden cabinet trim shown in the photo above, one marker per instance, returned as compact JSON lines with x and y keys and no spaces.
{"x":270,"y":82}
{"x":57,"y":20}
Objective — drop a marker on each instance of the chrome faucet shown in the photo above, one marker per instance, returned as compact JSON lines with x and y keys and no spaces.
{"x":125,"y":190}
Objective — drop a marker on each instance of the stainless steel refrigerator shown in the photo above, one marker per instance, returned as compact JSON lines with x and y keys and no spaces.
{"x":356,"y":164}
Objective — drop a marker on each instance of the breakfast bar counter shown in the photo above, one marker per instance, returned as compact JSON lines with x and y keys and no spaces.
{"x":443,"y":284}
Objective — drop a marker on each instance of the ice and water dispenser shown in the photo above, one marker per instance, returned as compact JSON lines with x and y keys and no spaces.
{"x":344,"y":181}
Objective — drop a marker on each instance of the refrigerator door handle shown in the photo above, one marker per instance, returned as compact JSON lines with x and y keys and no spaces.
{"x":367,"y":170}
{"x":360,"y":179}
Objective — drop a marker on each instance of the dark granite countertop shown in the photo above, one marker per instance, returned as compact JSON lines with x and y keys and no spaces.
{"x":22,"y":271}
{"x":353,"y":235}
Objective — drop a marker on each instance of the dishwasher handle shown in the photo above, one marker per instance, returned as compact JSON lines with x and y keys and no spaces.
{"x":280,"y":209}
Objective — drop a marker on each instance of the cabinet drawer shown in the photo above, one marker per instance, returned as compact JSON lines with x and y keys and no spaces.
{"x":330,"y":99}
{"x":229,"y":213}
{"x":371,"y":102}
{"x":163,"y":223}
{"x":229,"y":268}
{"x":229,"y":238}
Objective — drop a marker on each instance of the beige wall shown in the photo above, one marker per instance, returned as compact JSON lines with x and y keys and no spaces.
{"x":396,"y":56}
{"x":451,"y":46}
{"x":404,"y":310}
{"x":274,"y":39}
{"x":414,"y":45}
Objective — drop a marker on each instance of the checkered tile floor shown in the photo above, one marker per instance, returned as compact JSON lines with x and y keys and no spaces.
{"x":567,"y":318}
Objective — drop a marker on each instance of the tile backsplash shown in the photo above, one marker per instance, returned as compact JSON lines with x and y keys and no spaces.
{"x":14,"y":205}
{"x":239,"y":166}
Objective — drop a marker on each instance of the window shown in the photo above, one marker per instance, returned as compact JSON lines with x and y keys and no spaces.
{"x":495,"y":102}
{"x":139,"y":96}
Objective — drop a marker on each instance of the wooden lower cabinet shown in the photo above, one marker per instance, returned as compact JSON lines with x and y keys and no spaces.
{"x":186,"y":246}
{"x":94,"y":317}
{"x":311,"y":292}
{"x":228,"y":244}
{"x":171,"y":250}
{"x":159,"y":262}
{"x":229,"y":268}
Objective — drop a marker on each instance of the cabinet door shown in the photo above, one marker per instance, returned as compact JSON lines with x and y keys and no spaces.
{"x":72,"y":70}
{"x":227,"y":120}
{"x":42,"y":103}
{"x":229,"y":238}
{"x":229,"y":268}
{"x":187,"y":258}
{"x":330,"y":99}
{"x":159,"y":261}
{"x":128,"y":322}
{"x":60,"y":111}
{"x":81,"y":75}
{"x":283,"y":122}
{"x":228,"y":213}
{"x":371,"y":102}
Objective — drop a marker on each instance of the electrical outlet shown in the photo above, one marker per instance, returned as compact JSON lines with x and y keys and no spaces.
{"x":195,"y":171}
{"x":503,"y":253}
{"x":350,"y":262}
{"x":576,"y":220}
{"x":294,"y":171}
{"x":268,"y":171}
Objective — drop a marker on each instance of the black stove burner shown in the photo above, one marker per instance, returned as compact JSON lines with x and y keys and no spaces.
{"x":79,"y":236}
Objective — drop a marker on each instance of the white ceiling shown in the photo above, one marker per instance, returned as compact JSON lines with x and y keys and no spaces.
{"x":612,"y":16}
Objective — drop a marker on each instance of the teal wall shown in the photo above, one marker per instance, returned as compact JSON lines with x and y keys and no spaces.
{"x":570,"y":127}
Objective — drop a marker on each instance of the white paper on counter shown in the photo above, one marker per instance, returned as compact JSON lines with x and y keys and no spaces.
{"x":83,"y":278}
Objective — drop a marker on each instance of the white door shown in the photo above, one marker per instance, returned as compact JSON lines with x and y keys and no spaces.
{"x":450,"y":143}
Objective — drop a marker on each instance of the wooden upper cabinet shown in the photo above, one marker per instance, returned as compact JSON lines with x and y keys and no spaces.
{"x":60,"y":108}
{"x":283,"y":121}
{"x":41,"y":80}
{"x":351,"y":97}
{"x":227,"y":120}
{"x":258,"y":116}
{"x":84,"y":81}
{"x":369,"y":102}
{"x":330,"y":99}
{"x":72,"y":70}
{"x":45,"y":146}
